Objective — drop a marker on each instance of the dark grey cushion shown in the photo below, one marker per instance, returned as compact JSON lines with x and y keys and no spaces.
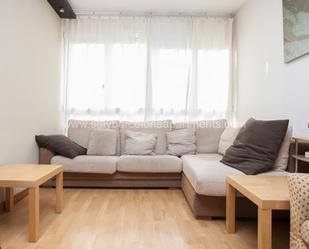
{"x":60,"y":145}
{"x":256,"y":147}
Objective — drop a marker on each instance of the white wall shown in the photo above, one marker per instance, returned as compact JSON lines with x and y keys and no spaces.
{"x":30,"y":39}
{"x":267,"y":87}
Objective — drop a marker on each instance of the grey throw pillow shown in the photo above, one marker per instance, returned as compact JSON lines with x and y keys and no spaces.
{"x":181,"y":142}
{"x":256,"y":146}
{"x":102,"y":142}
{"x":139,"y":143}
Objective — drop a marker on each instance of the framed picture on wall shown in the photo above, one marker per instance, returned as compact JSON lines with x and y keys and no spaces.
{"x":296,"y":28}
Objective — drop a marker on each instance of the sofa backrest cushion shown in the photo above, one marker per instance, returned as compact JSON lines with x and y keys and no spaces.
{"x":79,"y":131}
{"x":282,"y":160}
{"x":159,"y":128}
{"x":103,"y":142}
{"x":227,"y":139}
{"x":208,"y":133}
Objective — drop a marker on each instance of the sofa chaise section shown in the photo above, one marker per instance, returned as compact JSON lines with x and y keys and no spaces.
{"x":206,"y":174}
{"x":204,"y":186}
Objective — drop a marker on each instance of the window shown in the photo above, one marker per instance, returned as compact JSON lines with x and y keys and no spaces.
{"x":126,"y":73}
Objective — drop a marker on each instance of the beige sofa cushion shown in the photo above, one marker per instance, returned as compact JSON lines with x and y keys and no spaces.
{"x":207,"y":175}
{"x":149,"y":164}
{"x":158,"y":128}
{"x":79,"y":130}
{"x":102,"y":142}
{"x":282,"y":160}
{"x":88,"y":164}
{"x":208,"y":133}
{"x":227,"y":139}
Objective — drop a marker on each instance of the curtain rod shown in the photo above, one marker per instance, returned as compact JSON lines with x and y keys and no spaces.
{"x":171,"y":14}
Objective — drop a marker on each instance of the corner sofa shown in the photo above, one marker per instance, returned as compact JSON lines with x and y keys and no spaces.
{"x":201,"y":176}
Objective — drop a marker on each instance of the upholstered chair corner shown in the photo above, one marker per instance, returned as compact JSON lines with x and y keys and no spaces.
{"x":299,"y":201}
{"x":304,"y":230}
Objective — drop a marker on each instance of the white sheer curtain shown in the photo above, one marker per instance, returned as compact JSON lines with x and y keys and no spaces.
{"x":146,"y":68}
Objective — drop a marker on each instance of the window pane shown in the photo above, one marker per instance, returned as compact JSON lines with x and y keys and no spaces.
{"x":86,"y":75}
{"x":126,"y":77}
{"x":213,"y":81}
{"x":169,"y":80}
{"x":107,"y":80}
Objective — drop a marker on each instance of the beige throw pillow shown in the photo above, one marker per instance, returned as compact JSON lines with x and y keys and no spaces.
{"x":181,"y":142}
{"x":138,"y":143}
{"x":159,"y":128}
{"x":102,"y":142}
{"x":227,"y":139}
{"x":208,"y":133}
{"x":281,"y":162}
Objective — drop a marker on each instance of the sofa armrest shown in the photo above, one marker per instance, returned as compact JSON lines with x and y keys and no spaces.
{"x":45,"y":156}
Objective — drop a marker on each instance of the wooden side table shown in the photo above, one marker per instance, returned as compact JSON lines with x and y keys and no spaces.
{"x":297,"y":157}
{"x":31,"y":177}
{"x":267,"y":192}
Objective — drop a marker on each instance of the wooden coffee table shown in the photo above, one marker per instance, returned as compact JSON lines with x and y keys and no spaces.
{"x":267,"y":192}
{"x":31,"y":176}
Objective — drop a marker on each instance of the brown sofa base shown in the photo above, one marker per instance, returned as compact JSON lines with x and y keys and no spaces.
{"x":120,"y":180}
{"x":214,"y":206}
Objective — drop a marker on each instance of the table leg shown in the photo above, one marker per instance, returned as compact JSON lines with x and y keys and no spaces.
{"x":59,"y":192}
{"x":34,"y":214}
{"x":264,"y":228}
{"x":230,"y":208}
{"x":9,"y":199}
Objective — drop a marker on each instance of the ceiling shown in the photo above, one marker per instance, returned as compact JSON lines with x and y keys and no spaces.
{"x":215,"y":6}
